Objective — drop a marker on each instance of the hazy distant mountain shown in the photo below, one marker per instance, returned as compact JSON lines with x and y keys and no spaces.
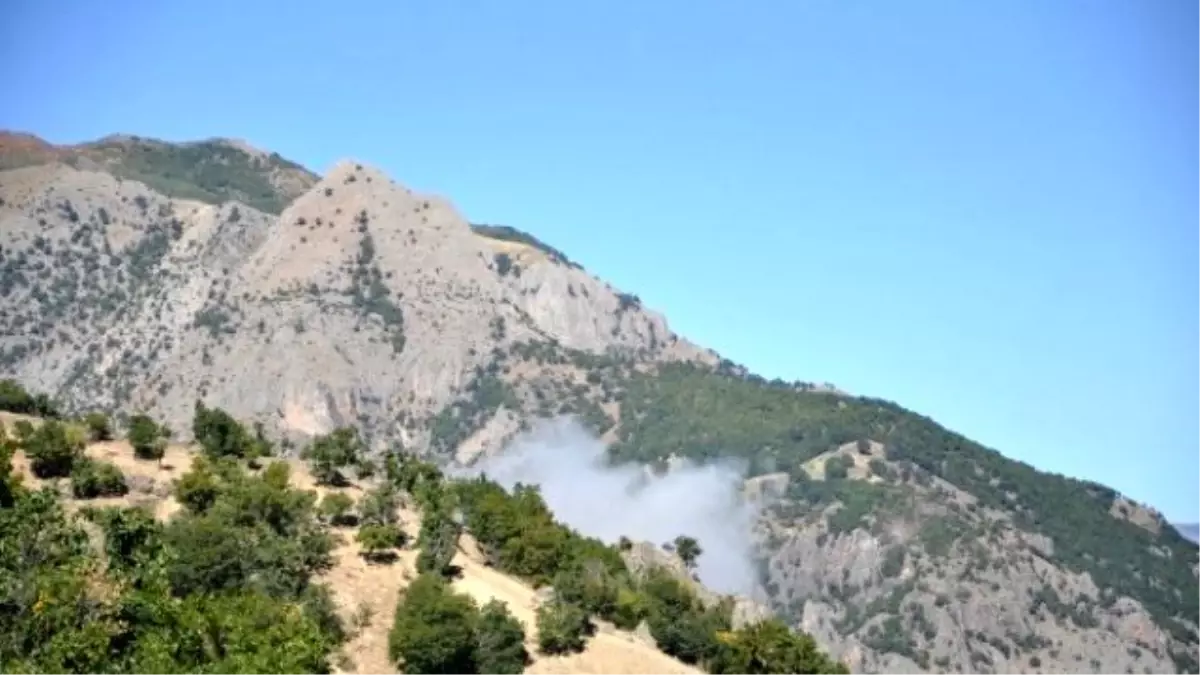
{"x":1192,"y":531}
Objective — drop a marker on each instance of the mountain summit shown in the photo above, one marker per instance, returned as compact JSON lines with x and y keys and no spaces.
{"x":136,"y":274}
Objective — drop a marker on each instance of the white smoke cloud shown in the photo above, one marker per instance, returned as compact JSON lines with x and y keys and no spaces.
{"x":606,"y":502}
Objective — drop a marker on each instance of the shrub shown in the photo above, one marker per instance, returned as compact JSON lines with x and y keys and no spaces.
{"x":328,"y":454}
{"x":14,"y":398}
{"x":377,"y":541}
{"x":335,"y":508}
{"x":52,"y":453}
{"x":501,"y":641}
{"x":893,"y":561}
{"x":770,"y":647}
{"x":838,"y":468}
{"x":146,"y":437}
{"x":91,"y":479}
{"x":379,"y":506}
{"x":220,"y":434}
{"x":438,"y":539}
{"x":562,"y":628}
{"x":679,"y":622}
{"x":99,"y":427}
{"x":197,"y":489}
{"x":434,"y":629}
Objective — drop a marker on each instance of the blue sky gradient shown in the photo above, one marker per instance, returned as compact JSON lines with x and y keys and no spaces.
{"x":985,"y":211}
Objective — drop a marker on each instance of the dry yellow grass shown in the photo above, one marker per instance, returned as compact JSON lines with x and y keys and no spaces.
{"x":357,"y":584}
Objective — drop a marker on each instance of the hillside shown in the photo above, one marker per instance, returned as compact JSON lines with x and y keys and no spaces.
{"x":189,"y":513}
{"x":891,"y":539}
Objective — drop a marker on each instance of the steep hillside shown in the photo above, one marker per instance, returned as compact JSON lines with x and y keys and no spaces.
{"x":899,"y":544}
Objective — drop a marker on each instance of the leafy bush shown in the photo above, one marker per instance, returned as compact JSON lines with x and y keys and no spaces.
{"x":91,"y":479}
{"x":434,"y":629}
{"x":562,"y":628}
{"x":681,"y":625}
{"x":838,"y":467}
{"x":99,"y":426}
{"x":335,"y":508}
{"x":52,"y":452}
{"x":327,"y":454}
{"x":437,"y":540}
{"x":222,"y":436}
{"x":15,"y":399}
{"x":197,"y":489}
{"x":501,"y":640}
{"x":378,"y":506}
{"x":147,"y":438}
{"x":770,"y":647}
{"x":378,"y":541}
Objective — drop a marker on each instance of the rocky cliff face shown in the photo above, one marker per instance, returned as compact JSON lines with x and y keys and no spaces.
{"x":306,"y":303}
{"x":934,"y":579}
{"x":362,"y":303}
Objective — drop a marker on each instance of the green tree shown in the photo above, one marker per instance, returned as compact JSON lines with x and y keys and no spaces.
{"x":838,"y":467}
{"x":501,"y":640}
{"x":437,"y":540}
{"x":52,"y":451}
{"x":563,"y":628}
{"x":10,"y":483}
{"x":688,"y":550}
{"x":379,"y":541}
{"x":91,"y":479}
{"x":14,"y":398}
{"x":198,"y":489}
{"x":434,"y":629}
{"x":770,"y":647}
{"x":679,"y":622}
{"x":220,"y":434}
{"x":330,"y":453}
{"x":99,"y":427}
{"x":378,"y":506}
{"x":336,"y":509}
{"x":133,"y":540}
{"x":146,"y":438}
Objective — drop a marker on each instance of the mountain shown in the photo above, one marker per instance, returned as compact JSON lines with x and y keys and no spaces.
{"x":132,"y":279}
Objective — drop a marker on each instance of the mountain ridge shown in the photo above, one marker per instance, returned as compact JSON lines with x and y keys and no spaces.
{"x":447,"y":338}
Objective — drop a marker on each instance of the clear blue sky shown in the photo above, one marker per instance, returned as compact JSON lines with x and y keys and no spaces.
{"x":985,"y":211}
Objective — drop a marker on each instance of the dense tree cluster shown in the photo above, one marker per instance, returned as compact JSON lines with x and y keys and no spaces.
{"x":225,"y":586}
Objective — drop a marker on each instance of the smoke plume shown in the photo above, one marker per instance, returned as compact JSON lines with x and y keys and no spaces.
{"x":606,"y":502}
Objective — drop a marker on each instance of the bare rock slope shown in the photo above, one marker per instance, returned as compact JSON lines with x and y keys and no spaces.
{"x":383,"y":303}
